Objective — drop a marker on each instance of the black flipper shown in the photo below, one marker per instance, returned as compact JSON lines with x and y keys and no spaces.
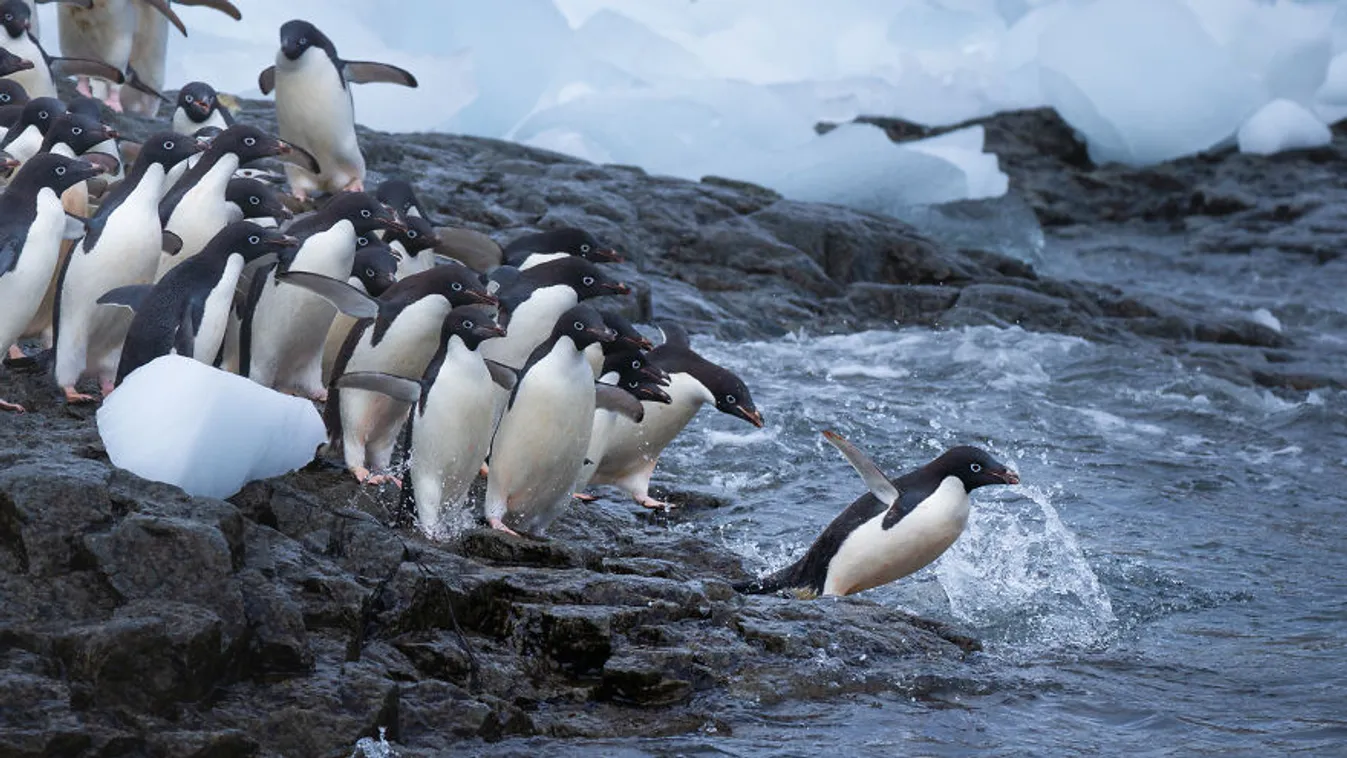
{"x":162,"y":7}
{"x":86,"y":67}
{"x":348,"y":299}
{"x":610,"y":398}
{"x":131,"y":296}
{"x":675,"y":335}
{"x":266,"y":81}
{"x":134,"y":81}
{"x":223,"y":6}
{"x":367,"y":72}
{"x":504,"y":376}
{"x":397,"y":387}
{"x":170,"y":243}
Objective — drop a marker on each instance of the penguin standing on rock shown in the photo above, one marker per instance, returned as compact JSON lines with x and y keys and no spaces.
{"x":896,"y":528}
{"x":314,"y":107}
{"x":32,"y":225}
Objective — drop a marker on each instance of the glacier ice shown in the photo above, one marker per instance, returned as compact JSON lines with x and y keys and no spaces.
{"x":1333,"y":92}
{"x":179,"y":421}
{"x":1282,"y":125}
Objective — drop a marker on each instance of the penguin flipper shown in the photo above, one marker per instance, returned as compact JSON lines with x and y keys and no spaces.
{"x":266,"y":81}
{"x":170,"y":243}
{"x":134,"y":81}
{"x":368,"y":72}
{"x":131,"y":296}
{"x":84,"y":4}
{"x":86,"y":67}
{"x":396,"y":387}
{"x":348,"y":299}
{"x":875,"y":480}
{"x":675,"y":335}
{"x":167,"y":12}
{"x":617,"y":400}
{"x":184,"y":338}
{"x":223,"y":6}
{"x":502,"y":375}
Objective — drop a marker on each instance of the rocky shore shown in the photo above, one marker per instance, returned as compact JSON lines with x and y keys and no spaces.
{"x":297,"y":617}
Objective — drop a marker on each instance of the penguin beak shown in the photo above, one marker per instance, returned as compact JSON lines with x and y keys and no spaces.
{"x":608,"y":254}
{"x":638,"y":343}
{"x":495,"y":330}
{"x":752,"y":415}
{"x":23,"y":64}
{"x":617,"y":288}
{"x":653,"y":394}
{"x":1007,"y":476}
{"x":485,"y":298}
{"x":654,"y":375}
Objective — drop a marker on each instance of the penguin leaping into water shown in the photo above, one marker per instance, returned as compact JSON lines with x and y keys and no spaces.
{"x":896,"y":528}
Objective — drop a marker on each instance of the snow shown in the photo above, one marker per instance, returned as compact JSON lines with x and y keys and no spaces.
{"x":697,"y":87}
{"x":179,"y":421}
{"x":1282,"y":125}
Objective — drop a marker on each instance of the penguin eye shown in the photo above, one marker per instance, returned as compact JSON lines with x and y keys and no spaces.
{"x":191,"y":99}
{"x":456,"y":286}
{"x":365,"y":214}
{"x":584,"y":248}
{"x":369,"y":272}
{"x":468,"y":324}
{"x":168,"y":145}
{"x":42,"y":115}
{"x":588,"y":281}
{"x":250,"y":141}
{"x":9,"y":16}
{"x":579,"y":326}
{"x":303,"y":41}
{"x":730,"y":399}
{"x":975,"y":467}
{"x":4,"y":98}
{"x":75,"y":130}
{"x":633,"y":384}
{"x":254,"y":200}
{"x":361,"y":241}
{"x":254,"y":239}
{"x":60,"y":170}
{"x":411,"y":234}
{"x":635,"y":364}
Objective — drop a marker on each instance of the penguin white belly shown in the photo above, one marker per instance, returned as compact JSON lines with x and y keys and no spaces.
{"x":336,"y":335}
{"x":314,"y":110}
{"x":541,"y":443}
{"x":601,"y":433}
{"x":633,"y":447}
{"x":289,"y":323}
{"x":102,"y":32}
{"x":201,"y":213}
{"x":413,"y":264}
{"x":149,"y":52}
{"x":22,"y":288}
{"x":872,"y":555}
{"x":530,"y":325}
{"x":89,"y":336}
{"x":451,"y":436}
{"x":540,"y":258}
{"x":25,"y":145}
{"x":75,"y":200}
{"x":215,"y":315}
{"x":36,"y":81}
{"x":184,"y":125}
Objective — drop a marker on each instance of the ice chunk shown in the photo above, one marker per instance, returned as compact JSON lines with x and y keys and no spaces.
{"x":1143,"y":80}
{"x":1282,"y":125}
{"x":629,"y":46}
{"x":1334,"y":90}
{"x":179,"y":421}
{"x":1264,"y":316}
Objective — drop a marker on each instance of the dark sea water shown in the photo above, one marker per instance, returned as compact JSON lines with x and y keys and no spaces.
{"x":1170,"y":578}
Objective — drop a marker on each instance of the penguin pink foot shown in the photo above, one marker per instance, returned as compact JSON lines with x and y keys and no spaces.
{"x":584,"y":497}
{"x":75,"y":397}
{"x":82,"y":86}
{"x":500,"y":526}
{"x":12,"y":407}
{"x":355,"y":185}
{"x":114,"y":100}
{"x":106,"y":386}
{"x":15,"y":353}
{"x":654,"y":505}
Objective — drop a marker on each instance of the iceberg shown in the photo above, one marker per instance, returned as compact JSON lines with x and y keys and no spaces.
{"x":1282,"y":125}
{"x":179,"y":421}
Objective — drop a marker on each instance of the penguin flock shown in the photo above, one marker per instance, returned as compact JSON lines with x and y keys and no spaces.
{"x":115,"y":254}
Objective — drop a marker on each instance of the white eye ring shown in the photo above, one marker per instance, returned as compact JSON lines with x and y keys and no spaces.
{"x":730,"y":399}
{"x":254,"y":200}
{"x":60,"y":170}
{"x":584,"y":248}
{"x":635,"y":364}
{"x":42,"y":115}
{"x":4,"y":98}
{"x":975,"y":467}
{"x":303,"y":40}
{"x":579,"y":326}
{"x":365,"y":214}
{"x":411,"y":234}
{"x":76,"y":130}
{"x":588,"y":281}
{"x":250,"y":141}
{"x":468,"y":324}
{"x":168,"y":145}
{"x":254,"y":239}
{"x":456,"y":286}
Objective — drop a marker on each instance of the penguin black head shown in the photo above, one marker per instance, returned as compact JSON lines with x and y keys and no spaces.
{"x":376,"y":267}
{"x":16,"y":17}
{"x":256,"y":199}
{"x":400,"y":194}
{"x":250,"y":143}
{"x":584,"y":326}
{"x":627,"y":336}
{"x":167,"y":149}
{"x":634,"y":364}
{"x":39,"y":112}
{"x":298,"y":36}
{"x":78,"y":131}
{"x":197,"y":100}
{"x":12,"y":93}
{"x":473,"y":324}
{"x":364,"y":212}
{"x":731,"y":394}
{"x":12,"y":64}
{"x":251,"y":241}
{"x":54,"y":171}
{"x":455,"y":282}
{"x":419,"y":234}
{"x":580,"y":275}
{"x":85,"y":106}
{"x":571,"y":241}
{"x":973,"y":466}
{"x":644,"y":389}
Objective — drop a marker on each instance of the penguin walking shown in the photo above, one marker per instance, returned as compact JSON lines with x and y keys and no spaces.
{"x":199,"y":107}
{"x":898,"y":527}
{"x":195,"y":209}
{"x":532,"y":249}
{"x":540,"y":445}
{"x":188,"y":310}
{"x":314,"y":107}
{"x":121,"y":248}
{"x":16,"y":19}
{"x":401,"y":340}
{"x":634,"y":449}
{"x":449,"y":431}
{"x":375,"y":270}
{"x":284,"y":327}
{"x":32,"y":225}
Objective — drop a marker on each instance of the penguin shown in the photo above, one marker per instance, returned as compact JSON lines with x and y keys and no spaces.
{"x":400,"y":340}
{"x":532,"y":249}
{"x":187,"y":311}
{"x":12,"y":64}
{"x":401,"y":196}
{"x":199,"y":106}
{"x":255,"y":200}
{"x":284,"y":327}
{"x":121,"y":248}
{"x":540,"y":444}
{"x":414,"y":247}
{"x":32,"y":225}
{"x":12,"y":99}
{"x":534,"y":299}
{"x":628,"y":370}
{"x":195,"y":208}
{"x":634,"y":450}
{"x":314,"y":108}
{"x":24,"y":138}
{"x":896,"y":528}
{"x":103,"y":31}
{"x":87,"y":106}
{"x":16,"y":18}
{"x":375,"y":270}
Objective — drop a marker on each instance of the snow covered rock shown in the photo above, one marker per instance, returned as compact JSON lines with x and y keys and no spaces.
{"x":179,"y":421}
{"x":1282,"y":125}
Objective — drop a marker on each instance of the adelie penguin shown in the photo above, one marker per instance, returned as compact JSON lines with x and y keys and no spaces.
{"x":199,"y":106}
{"x":449,"y":430}
{"x":32,"y":225}
{"x":634,"y":450}
{"x":898,"y":527}
{"x":187,"y":311}
{"x":532,"y":249}
{"x":314,"y":107}
{"x":24,"y":138}
{"x":121,"y":248}
{"x":256,"y":201}
{"x":16,"y":19}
